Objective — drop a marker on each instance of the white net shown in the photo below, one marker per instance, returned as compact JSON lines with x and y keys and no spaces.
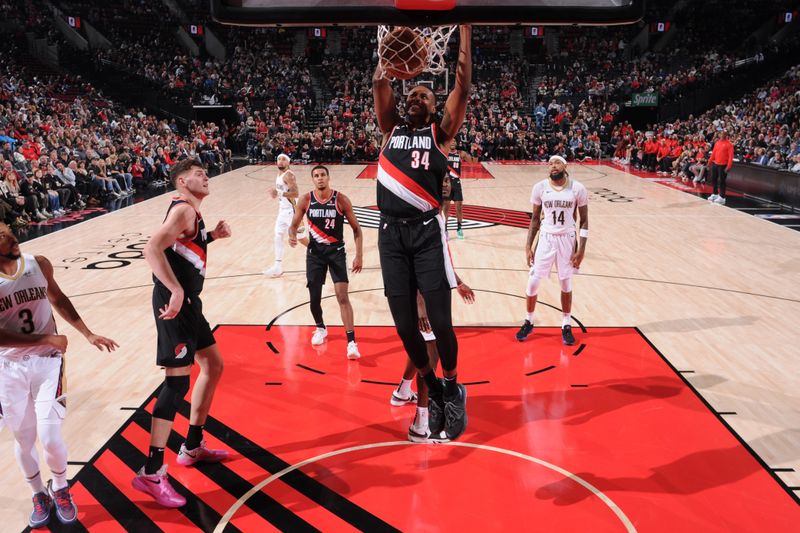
{"x":411,"y":55}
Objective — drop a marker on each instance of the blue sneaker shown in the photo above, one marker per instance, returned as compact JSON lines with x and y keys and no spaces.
{"x":40,"y":515}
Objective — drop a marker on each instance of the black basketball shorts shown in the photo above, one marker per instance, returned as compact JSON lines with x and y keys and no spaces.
{"x":456,"y":193}
{"x":414,"y":255}
{"x":321,"y":258}
{"x":181,"y":337}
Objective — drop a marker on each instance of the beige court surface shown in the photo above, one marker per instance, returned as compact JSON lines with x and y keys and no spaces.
{"x":715,"y":290}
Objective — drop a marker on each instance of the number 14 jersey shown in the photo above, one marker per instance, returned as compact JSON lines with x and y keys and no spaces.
{"x":559,"y":207}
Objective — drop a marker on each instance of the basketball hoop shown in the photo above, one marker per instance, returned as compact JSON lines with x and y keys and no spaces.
{"x":434,"y":47}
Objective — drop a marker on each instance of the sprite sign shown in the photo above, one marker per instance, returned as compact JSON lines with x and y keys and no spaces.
{"x":644,"y":100}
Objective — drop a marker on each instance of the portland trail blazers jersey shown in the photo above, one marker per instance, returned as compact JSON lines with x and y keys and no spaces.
{"x":24,"y":307}
{"x":411,"y":169}
{"x":187,"y":256}
{"x":454,"y":166}
{"x":325,"y":219}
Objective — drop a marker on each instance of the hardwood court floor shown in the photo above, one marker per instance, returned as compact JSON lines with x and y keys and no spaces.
{"x":716,"y":291}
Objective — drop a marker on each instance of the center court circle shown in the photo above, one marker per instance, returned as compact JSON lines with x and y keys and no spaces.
{"x":381,"y":478}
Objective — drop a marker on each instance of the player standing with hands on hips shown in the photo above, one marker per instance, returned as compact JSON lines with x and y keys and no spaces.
{"x":555,"y":201}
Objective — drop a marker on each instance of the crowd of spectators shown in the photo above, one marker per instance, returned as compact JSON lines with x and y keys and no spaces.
{"x":764,"y":127}
{"x":61,"y":153}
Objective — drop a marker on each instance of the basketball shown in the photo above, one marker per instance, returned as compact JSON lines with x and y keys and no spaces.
{"x":403,"y":53}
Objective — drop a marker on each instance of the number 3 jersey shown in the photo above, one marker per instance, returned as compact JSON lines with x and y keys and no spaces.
{"x":411,"y":170}
{"x":559,"y":207}
{"x":24,"y":307}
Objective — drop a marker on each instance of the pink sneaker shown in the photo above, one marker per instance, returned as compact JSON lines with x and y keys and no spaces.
{"x":201,"y":454}
{"x":157,"y":485}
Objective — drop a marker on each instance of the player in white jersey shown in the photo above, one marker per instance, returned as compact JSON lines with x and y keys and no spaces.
{"x":286,"y":192}
{"x":555,"y":201}
{"x":32,"y":395}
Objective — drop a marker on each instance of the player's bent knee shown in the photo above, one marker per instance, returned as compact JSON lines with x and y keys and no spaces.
{"x":169,"y":399}
{"x":533,"y":286}
{"x":566,"y":284}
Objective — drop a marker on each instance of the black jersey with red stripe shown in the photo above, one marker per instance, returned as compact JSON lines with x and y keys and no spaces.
{"x":187,"y":255}
{"x":325,"y":219}
{"x":411,"y":169}
{"x":454,"y":162}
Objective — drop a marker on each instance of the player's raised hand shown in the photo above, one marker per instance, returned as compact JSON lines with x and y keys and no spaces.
{"x":222,"y":231}
{"x":102,"y":342}
{"x":59,"y":342}
{"x":357,"y":264}
{"x":170,"y":311}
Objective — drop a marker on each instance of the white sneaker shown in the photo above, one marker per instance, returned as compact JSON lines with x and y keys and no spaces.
{"x":719,"y":200}
{"x":319,"y":337}
{"x":399,"y":401}
{"x":352,"y":350}
{"x":712,"y":198}
{"x":275,"y":271}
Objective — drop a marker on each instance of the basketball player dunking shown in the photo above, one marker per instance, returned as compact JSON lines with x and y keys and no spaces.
{"x":286,"y":192}
{"x":412,"y":239}
{"x":177,"y":255}
{"x":32,"y":396}
{"x":456,"y":195}
{"x":326,"y":210}
{"x":558,"y":198}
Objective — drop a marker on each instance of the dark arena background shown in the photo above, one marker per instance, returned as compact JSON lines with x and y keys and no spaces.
{"x":676,"y":409}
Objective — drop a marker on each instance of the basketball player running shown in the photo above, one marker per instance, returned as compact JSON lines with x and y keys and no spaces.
{"x":555,"y":201}
{"x":286,"y":192}
{"x":456,"y":195}
{"x":32,"y":396}
{"x":177,"y":255}
{"x":412,"y":240}
{"x":326,"y":210}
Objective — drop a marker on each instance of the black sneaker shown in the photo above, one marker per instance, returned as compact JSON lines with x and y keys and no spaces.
{"x":566,"y":335}
{"x":524,"y":331}
{"x":436,"y":417}
{"x":455,"y":413}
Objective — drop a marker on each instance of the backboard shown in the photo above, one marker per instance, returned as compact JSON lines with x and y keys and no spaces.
{"x":374,"y":12}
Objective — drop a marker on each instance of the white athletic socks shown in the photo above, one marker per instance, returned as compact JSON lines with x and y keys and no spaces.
{"x":529,"y":317}
{"x":566,"y":318}
{"x":59,"y":480}
{"x":421,"y":420}
{"x":404,"y":389}
{"x":35,"y":483}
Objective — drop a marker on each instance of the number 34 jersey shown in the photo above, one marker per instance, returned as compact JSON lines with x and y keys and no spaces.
{"x":24,"y":307}
{"x":559,"y":207}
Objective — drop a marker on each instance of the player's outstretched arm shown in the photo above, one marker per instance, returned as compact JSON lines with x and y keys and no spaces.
{"x":385,"y":103}
{"x":347,"y":208}
{"x":180,"y":221}
{"x":455,"y":109}
{"x":299,"y":213}
{"x":63,"y":306}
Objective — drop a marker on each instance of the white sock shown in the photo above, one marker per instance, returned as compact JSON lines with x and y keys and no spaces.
{"x":60,"y":480}
{"x":404,"y":390}
{"x":566,"y":318}
{"x":421,"y":420}
{"x":529,"y":317}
